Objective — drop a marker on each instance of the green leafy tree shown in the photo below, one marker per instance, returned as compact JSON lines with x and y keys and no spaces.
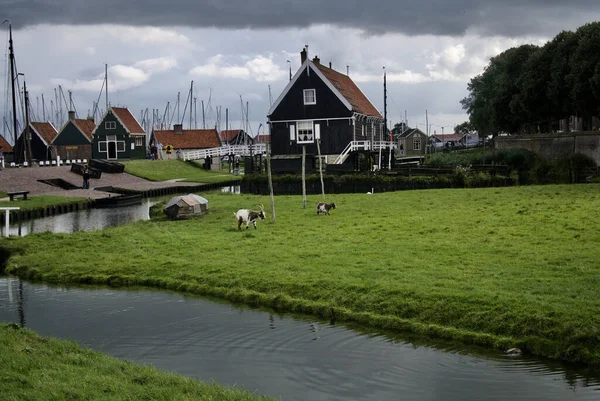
{"x":584,"y":77}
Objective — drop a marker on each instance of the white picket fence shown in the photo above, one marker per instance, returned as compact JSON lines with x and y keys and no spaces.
{"x":238,"y":150}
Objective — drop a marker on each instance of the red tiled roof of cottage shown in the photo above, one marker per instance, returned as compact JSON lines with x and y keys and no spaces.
{"x":228,"y":135}
{"x":189,"y":139}
{"x":128,"y":120}
{"x":350,"y":91}
{"x":85,"y":126}
{"x":263,"y":138}
{"x":45,"y":130}
{"x":6,"y":148}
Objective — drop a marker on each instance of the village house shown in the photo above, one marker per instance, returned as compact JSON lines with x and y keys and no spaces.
{"x":174,"y":142}
{"x":118,"y":136}
{"x":320,"y":103}
{"x":42,"y":134}
{"x":236,"y":137}
{"x":74,"y":141}
{"x":6,"y":150}
{"x":411,"y":142}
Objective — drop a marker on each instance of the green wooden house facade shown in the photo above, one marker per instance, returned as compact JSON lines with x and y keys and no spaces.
{"x":74,"y":141}
{"x":119,"y":136}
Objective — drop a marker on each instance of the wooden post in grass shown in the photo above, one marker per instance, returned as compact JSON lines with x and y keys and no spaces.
{"x":303,"y":176}
{"x":320,"y":167}
{"x":270,"y":179}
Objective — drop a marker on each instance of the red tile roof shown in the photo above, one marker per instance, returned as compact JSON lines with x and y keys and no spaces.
{"x":85,"y":126}
{"x":45,"y":130}
{"x":128,"y":120}
{"x":6,"y":148}
{"x":448,"y":137}
{"x":228,"y":135}
{"x":263,"y":138}
{"x":350,"y":91}
{"x":189,"y":139}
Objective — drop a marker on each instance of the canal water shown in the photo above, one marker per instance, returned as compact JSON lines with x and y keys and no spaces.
{"x":285,"y":357}
{"x":90,"y":219}
{"x":83,"y":220}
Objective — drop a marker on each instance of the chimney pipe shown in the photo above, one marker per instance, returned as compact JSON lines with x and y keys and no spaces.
{"x":178,"y":128}
{"x":71,"y":115}
{"x":330,"y":64}
{"x":317,"y":60}
{"x":303,"y":56}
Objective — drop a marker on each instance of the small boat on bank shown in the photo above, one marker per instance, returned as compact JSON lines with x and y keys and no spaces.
{"x":118,"y":201}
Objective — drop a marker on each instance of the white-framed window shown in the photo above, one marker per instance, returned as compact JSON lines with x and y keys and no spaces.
{"x":120,"y":146}
{"x":310,"y":96}
{"x":110,"y":125}
{"x":305,"y":132}
{"x":139,"y":141}
{"x":416,"y":143}
{"x":111,"y":138}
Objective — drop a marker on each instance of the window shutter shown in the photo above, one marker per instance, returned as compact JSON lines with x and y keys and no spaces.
{"x":317,"y":131}
{"x":292,"y":132}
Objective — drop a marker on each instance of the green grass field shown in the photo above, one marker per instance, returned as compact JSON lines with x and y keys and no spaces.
{"x":34,"y":202}
{"x":500,"y":267}
{"x":39,"y":368}
{"x":162,"y":170}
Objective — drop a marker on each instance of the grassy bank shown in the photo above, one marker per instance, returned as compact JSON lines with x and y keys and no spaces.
{"x":36,"y":202}
{"x":37,"y":368}
{"x":500,"y":267}
{"x":162,"y":170}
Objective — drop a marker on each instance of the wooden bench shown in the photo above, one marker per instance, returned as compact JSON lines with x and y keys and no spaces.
{"x":18,"y":193}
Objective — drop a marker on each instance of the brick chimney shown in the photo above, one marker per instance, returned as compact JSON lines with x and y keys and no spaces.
{"x":303,"y":56}
{"x":71,"y":115}
{"x":317,"y":60}
{"x":178,"y":128}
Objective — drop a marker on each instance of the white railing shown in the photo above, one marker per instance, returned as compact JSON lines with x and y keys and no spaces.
{"x":383,"y":145}
{"x":353,"y":146}
{"x":238,"y":150}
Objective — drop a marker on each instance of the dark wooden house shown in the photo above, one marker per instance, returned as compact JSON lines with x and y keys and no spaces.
{"x":42,"y":135}
{"x":74,"y":141}
{"x":118,"y":136}
{"x":7,"y":151}
{"x":320,"y":103}
{"x":236,"y":137}
{"x":184,"y":140}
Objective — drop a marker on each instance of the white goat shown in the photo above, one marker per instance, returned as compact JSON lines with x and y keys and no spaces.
{"x":324,"y":208}
{"x":249,"y":216}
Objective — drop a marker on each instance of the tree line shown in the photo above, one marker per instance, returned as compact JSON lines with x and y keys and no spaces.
{"x":529,"y":89}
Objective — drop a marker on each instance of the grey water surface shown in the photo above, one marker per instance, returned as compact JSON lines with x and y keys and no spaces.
{"x":282,"y":356}
{"x":83,"y":220}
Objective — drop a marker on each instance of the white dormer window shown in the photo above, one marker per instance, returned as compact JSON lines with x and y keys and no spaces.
{"x":310,"y":96}
{"x":110,"y":125}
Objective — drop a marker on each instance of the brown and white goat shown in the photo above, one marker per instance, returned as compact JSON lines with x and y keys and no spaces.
{"x":323,"y":207}
{"x":249,"y":216}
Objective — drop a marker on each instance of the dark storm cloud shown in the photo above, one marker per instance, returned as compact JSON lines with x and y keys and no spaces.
{"x":436,"y":17}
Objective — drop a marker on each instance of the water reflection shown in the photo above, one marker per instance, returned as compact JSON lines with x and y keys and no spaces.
{"x":84,"y":220}
{"x":234,"y":189}
{"x":292,"y":358}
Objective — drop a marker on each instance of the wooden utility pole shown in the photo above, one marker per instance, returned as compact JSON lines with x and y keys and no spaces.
{"x":269,"y":176}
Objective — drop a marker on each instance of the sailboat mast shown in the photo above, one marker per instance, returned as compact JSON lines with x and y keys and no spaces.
{"x":106,"y":83}
{"x":12,"y":76}
{"x":27,"y":138}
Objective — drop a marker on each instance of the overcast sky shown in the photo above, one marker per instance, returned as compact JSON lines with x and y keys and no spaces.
{"x":235,"y":50}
